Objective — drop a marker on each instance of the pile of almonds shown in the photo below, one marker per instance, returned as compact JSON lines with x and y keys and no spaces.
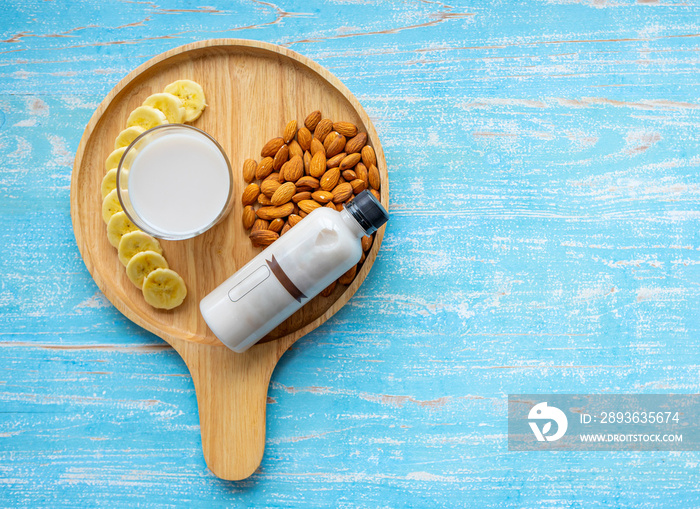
{"x":323,"y":164}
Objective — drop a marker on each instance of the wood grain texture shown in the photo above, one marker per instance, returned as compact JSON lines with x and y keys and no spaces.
{"x":544,"y":237}
{"x":253,"y":89}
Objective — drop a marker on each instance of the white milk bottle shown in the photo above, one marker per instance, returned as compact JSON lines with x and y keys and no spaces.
{"x":290,"y":272}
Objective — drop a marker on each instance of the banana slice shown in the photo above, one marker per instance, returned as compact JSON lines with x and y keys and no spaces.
{"x":128,"y":135}
{"x":136,"y":242}
{"x":114,"y":158}
{"x":169,"y":104}
{"x":142,"y":264}
{"x":164,"y":289}
{"x":109,"y":182}
{"x":119,"y":224}
{"x":191,"y":95}
{"x":110,"y":206}
{"x":146,"y":117}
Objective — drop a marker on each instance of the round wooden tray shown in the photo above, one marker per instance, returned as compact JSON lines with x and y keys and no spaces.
{"x":252,"y":90}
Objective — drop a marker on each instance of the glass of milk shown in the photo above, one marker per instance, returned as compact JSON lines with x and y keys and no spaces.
{"x":175,"y":182}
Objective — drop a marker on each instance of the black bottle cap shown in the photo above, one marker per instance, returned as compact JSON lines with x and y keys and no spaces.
{"x":367,"y":210}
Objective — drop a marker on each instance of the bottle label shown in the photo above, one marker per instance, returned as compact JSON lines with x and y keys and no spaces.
{"x":284,"y":279}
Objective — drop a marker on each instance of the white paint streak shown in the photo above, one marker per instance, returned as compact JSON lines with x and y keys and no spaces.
{"x":98,"y":300}
{"x":30,"y":122}
{"x":660,"y":294}
{"x":62,"y":156}
{"x":427,"y":476}
{"x":76,"y":102}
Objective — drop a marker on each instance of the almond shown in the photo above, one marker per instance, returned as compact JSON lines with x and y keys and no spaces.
{"x":339,"y":207}
{"x":328,"y":290}
{"x":248,"y":217}
{"x":345,"y":128}
{"x":262,"y":238}
{"x":330,"y":179}
{"x":303,"y":195}
{"x":280,"y":175}
{"x":318,"y":165}
{"x":271,"y":147}
{"x":249,"y":166}
{"x":264,"y":168}
{"x":375,"y":193}
{"x":374,"y":179}
{"x":295,"y":149}
{"x":308,"y":181}
{"x":328,"y":140}
{"x":250,"y":193}
{"x":349,"y":175}
{"x":336,"y":146}
{"x":356,"y":143}
{"x":312,"y":120}
{"x":341,"y":192}
{"x":362,"y":258}
{"x":361,"y":172}
{"x":307,"y":162}
{"x":264,"y":200}
{"x":281,"y":157}
{"x":294,"y":169}
{"x":308,"y":205}
{"x":284,"y":193}
{"x":367,"y":242}
{"x":316,"y":147}
{"x":269,"y":186}
{"x":330,"y":205}
{"x":304,"y":138}
{"x":369,"y":158}
{"x":334,"y":161}
{"x":324,"y":127}
{"x":269,"y":213}
{"x":322,"y":196}
{"x":347,"y":278}
{"x":260,"y":224}
{"x":290,"y":131}
{"x":272,"y":176}
{"x":358,"y":185}
{"x":276,"y":225}
{"x":350,"y":161}
{"x":293,"y":219}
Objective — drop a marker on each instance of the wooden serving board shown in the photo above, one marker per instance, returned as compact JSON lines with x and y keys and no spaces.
{"x":252,"y":90}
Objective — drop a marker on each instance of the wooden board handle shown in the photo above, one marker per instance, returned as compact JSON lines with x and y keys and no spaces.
{"x":231,"y":393}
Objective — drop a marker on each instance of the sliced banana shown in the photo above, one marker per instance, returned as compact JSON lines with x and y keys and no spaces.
{"x":142,"y":264}
{"x":109,"y":182}
{"x":128,"y":135}
{"x":136,"y":242}
{"x":164,"y":289}
{"x":169,"y":104}
{"x":114,"y":158}
{"x":146,"y":117}
{"x":119,"y":224}
{"x":191,"y":95}
{"x":110,"y":206}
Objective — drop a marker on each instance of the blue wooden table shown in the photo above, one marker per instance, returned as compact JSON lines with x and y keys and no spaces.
{"x":544,"y":160}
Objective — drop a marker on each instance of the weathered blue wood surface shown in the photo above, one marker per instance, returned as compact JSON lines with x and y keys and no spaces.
{"x":544,"y":162}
